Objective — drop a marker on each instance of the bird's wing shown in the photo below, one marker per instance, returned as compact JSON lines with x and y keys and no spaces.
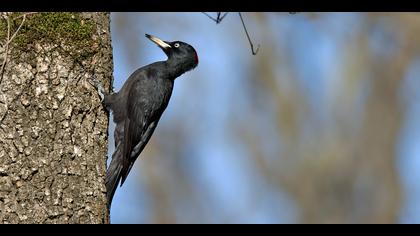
{"x":140,"y":123}
{"x":135,"y":152}
{"x":123,"y":159}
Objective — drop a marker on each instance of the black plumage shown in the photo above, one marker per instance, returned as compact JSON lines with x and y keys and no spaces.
{"x":138,"y":107}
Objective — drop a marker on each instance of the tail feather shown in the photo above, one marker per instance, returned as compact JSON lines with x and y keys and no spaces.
{"x":113,"y":175}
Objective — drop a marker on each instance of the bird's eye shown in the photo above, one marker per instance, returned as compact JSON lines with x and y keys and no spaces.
{"x":176,"y":45}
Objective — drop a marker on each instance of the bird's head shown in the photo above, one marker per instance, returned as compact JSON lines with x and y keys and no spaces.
{"x":179,"y":53}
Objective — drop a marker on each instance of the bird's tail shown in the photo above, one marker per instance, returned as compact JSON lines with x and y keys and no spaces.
{"x":113,"y":175}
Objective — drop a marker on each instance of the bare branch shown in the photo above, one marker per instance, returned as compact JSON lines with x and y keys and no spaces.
{"x":20,"y":26}
{"x":9,"y":40}
{"x":209,"y":16}
{"x":249,"y":39}
{"x":6,"y":50}
{"x":6,"y":53}
{"x":24,"y":15}
{"x":219,"y":17}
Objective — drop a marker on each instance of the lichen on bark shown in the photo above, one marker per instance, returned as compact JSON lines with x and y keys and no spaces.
{"x":53,"y":129}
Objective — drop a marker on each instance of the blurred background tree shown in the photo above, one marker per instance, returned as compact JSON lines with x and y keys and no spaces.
{"x":321,"y":126}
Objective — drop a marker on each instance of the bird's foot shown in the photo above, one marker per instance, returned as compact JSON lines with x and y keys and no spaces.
{"x":99,"y":87}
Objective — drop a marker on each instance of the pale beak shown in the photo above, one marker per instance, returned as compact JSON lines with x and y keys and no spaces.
{"x":162,"y":44}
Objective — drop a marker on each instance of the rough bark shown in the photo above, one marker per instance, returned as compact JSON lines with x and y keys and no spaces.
{"x":53,"y":129}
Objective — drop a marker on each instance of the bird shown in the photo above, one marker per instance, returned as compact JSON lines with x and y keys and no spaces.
{"x":138,"y":106}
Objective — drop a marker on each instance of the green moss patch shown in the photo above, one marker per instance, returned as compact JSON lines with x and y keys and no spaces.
{"x":67,"y":29}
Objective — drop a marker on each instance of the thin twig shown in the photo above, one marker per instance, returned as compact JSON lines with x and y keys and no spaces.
{"x":6,"y":50}
{"x":24,"y":15}
{"x":6,"y":110}
{"x":223,"y":16}
{"x":219,"y":17}
{"x":209,"y":16}
{"x":249,"y":39}
{"x":9,"y":40}
{"x":20,"y":26}
{"x":2,"y":67}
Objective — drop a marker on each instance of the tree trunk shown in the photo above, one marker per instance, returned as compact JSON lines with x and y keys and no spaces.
{"x":53,"y":129}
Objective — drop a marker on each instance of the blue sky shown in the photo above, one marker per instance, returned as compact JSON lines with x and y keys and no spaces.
{"x":225,"y":172}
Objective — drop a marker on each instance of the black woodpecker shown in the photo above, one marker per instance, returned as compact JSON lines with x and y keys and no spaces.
{"x":138,"y":106}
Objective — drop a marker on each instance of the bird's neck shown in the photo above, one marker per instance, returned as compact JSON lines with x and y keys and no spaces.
{"x":175,"y":68}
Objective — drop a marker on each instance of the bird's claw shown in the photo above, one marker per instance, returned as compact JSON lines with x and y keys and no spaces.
{"x":99,"y":87}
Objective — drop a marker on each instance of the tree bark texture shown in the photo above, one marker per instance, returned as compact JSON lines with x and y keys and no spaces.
{"x":53,"y":129}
